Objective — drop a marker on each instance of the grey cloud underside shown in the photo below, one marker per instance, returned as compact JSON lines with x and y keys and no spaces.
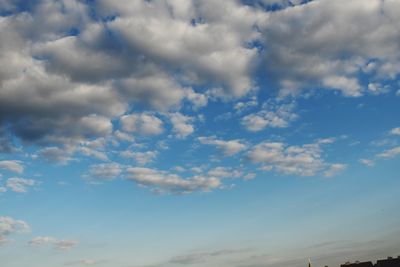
{"x":330,"y":43}
{"x":51,"y":80}
{"x":54,"y":79}
{"x":71,"y":74}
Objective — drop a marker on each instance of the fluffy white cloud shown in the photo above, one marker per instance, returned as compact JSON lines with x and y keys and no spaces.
{"x":305,"y":160}
{"x":334,"y":169}
{"x":390,"y":153}
{"x":165,"y":182}
{"x":367,"y":162}
{"x":105,"y":171}
{"x":241,"y":106}
{"x":20,"y":185}
{"x":12,"y":165}
{"x":194,"y":46}
{"x":293,"y":35}
{"x":273,"y":115}
{"x":145,"y":124}
{"x":10,"y":226}
{"x":395,"y":131}
{"x":225,"y":172}
{"x":141,"y":158}
{"x":228,"y":148}
{"x":181,"y":124}
{"x":57,"y":154}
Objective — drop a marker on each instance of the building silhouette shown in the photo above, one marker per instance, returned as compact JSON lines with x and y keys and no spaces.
{"x":389,"y":262}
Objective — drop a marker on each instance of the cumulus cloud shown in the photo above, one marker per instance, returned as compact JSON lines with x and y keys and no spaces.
{"x":367,"y":162}
{"x":145,"y":124}
{"x":225,"y":172}
{"x":292,"y":35}
{"x":104,"y":171}
{"x":181,"y":124}
{"x":12,"y":165}
{"x":121,"y":66}
{"x":334,"y":169}
{"x":142,"y":158}
{"x":228,"y":148}
{"x":10,"y":226}
{"x":20,"y":185}
{"x":390,"y":153}
{"x":273,"y":115}
{"x":305,"y":160}
{"x":165,"y":182}
{"x":57,"y":154}
{"x":395,"y":131}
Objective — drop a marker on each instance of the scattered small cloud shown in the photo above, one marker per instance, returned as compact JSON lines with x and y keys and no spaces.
{"x":20,"y":185}
{"x":54,"y":242}
{"x":165,"y":182}
{"x":145,"y":124}
{"x":274,"y":115}
{"x":227,"y":147}
{"x":12,"y":165}
{"x":367,"y":162}
{"x":389,"y":153}
{"x":395,"y":131}
{"x":305,"y":160}
{"x":10,"y":226}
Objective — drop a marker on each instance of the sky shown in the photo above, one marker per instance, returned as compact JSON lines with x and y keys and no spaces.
{"x":165,"y":133}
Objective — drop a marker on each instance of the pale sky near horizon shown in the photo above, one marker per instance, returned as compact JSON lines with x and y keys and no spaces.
{"x":166,"y":133}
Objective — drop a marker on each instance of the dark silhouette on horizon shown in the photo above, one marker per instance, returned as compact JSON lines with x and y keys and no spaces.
{"x":389,"y":262}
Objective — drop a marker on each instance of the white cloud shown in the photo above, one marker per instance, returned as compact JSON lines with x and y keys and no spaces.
{"x":54,"y":242}
{"x":273,"y":115}
{"x":145,"y":124}
{"x":377,"y":89}
{"x":141,"y":158}
{"x":228,"y":148}
{"x":225,"y":172}
{"x":293,"y":35}
{"x":181,"y":124}
{"x":89,"y":152}
{"x":390,"y":153}
{"x":241,"y":106}
{"x":57,"y":154}
{"x":195,"y":48}
{"x":305,"y":160}
{"x":105,"y":171}
{"x":165,"y":182}
{"x":124,"y":136}
{"x":197,"y":99}
{"x":20,"y":185}
{"x":334,"y":169}
{"x":12,"y":165}
{"x":41,"y":240}
{"x":10,"y":226}
{"x":395,"y":131}
{"x":65,"y":244}
{"x":367,"y":162}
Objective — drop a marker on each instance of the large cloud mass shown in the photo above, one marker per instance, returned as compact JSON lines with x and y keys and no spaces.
{"x":74,"y":72}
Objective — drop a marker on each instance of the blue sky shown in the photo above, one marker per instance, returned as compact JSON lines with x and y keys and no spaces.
{"x":198,"y":133}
